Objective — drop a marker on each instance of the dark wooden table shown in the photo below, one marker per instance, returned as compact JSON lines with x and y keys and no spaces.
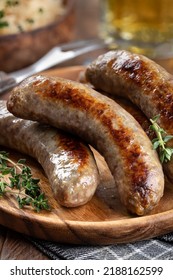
{"x":12,"y":244}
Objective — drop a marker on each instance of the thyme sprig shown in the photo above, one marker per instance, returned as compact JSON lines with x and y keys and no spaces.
{"x":159,"y":143}
{"x":21,"y":183}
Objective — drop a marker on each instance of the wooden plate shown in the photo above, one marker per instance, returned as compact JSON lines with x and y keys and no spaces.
{"x":103,"y":220}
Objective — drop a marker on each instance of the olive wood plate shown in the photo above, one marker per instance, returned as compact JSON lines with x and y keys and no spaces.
{"x":103,"y":220}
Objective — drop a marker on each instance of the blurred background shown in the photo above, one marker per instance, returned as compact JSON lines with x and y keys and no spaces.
{"x":91,"y":20}
{"x":88,"y":16}
{"x":25,"y":36}
{"x":82,"y":20}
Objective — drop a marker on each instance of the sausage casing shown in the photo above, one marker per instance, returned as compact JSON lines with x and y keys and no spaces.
{"x":103,"y":124}
{"x":141,"y":80}
{"x":67,"y":162}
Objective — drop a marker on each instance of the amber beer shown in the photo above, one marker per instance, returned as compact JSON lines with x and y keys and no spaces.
{"x":138,"y":21}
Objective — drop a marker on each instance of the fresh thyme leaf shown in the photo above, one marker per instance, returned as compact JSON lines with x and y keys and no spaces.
{"x":21,"y":161}
{"x":155,"y":118}
{"x":21,"y":183}
{"x":159,"y":143}
{"x":40,"y":203}
{"x":15,"y":181}
{"x":167,"y":138}
{"x":5,"y":171}
{"x":23,"y":201}
{"x":156,"y":143}
{"x":3,"y":186}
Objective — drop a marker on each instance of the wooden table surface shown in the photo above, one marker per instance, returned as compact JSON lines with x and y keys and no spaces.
{"x":12,"y":244}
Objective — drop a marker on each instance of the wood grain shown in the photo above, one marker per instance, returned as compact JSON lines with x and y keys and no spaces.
{"x":16,"y":247}
{"x":103,"y":220}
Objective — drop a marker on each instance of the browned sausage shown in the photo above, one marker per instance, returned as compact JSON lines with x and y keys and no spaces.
{"x":137,"y":114}
{"x":102,"y":123}
{"x":141,"y":80}
{"x":68,"y":163}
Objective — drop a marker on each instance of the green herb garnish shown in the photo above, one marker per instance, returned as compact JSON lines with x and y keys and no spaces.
{"x":159,"y":143}
{"x":3,"y":23}
{"x":21,"y":184}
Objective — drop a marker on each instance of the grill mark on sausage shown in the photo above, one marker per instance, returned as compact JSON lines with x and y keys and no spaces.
{"x":136,"y":71}
{"x":141,"y":80}
{"x":136,"y":113}
{"x":68,"y":163}
{"x":131,"y":153}
{"x":75,"y":150}
{"x":76,"y":108}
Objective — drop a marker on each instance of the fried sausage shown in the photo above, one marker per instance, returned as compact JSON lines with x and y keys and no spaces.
{"x":67,"y":162}
{"x":103,"y":124}
{"x":141,"y":80}
{"x":127,"y":105}
{"x":137,"y":114}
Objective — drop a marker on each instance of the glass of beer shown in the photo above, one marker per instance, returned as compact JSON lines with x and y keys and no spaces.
{"x":143,"y":26}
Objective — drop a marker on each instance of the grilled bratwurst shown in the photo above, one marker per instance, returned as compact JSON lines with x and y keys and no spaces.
{"x":145,"y":83}
{"x":102,"y":123}
{"x":137,"y":114}
{"x":68,"y":163}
